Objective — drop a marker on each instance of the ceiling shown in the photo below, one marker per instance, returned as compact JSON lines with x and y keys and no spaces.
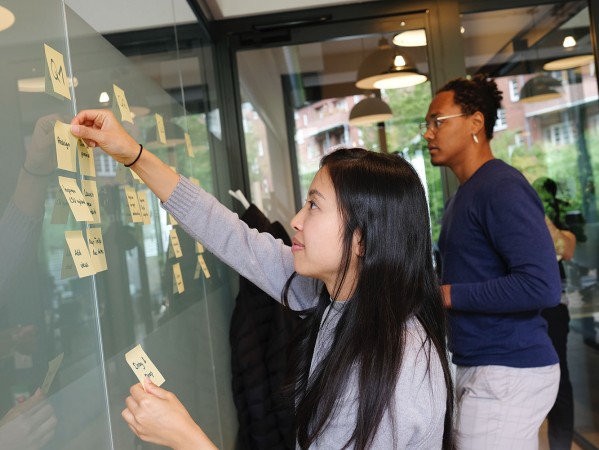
{"x":227,"y":9}
{"x":160,"y":13}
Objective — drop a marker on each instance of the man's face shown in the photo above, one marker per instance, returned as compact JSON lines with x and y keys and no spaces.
{"x":450,"y":136}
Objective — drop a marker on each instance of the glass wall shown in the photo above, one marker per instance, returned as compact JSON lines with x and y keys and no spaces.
{"x":548,"y":128}
{"x":92,"y":264}
{"x":298,"y":100}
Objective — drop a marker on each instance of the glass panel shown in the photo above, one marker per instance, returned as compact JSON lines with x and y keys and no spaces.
{"x":310,"y":91}
{"x":49,"y":310}
{"x":44,"y":315}
{"x":548,"y":129}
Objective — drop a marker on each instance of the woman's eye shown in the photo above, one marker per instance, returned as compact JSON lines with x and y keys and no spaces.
{"x":311,"y":204}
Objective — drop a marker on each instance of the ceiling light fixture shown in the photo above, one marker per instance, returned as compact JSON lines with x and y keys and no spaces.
{"x":410,"y":38}
{"x":38,"y":84}
{"x":369,"y":110}
{"x":386,"y":68}
{"x":7,"y":18}
{"x":569,"y":41}
{"x":540,"y":88}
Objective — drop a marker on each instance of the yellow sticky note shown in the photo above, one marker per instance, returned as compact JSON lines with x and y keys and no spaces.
{"x":160,"y":133}
{"x":95,"y":244}
{"x":56,"y":73}
{"x":144,"y":207}
{"x":178,"y":278}
{"x":199,"y":247}
{"x":79,"y":253}
{"x":75,"y":199}
{"x":60,"y":213}
{"x":66,"y":147}
{"x":196,"y":275}
{"x":202,"y":264}
{"x":175,"y":243}
{"x":171,"y":254}
{"x":133,"y":203}
{"x":68,"y":269}
{"x":122,"y":105}
{"x":90,"y":193}
{"x":171,"y":220}
{"x":53,"y":367}
{"x":136,"y":177}
{"x":87,"y":165}
{"x":188,"y":145}
{"x":173,"y":168}
{"x":143,"y":367}
{"x":195,"y":181}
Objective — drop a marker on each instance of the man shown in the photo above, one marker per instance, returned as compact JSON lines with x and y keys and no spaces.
{"x":498,"y":273}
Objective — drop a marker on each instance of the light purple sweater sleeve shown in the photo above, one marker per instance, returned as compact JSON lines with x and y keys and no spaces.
{"x":265,"y":261}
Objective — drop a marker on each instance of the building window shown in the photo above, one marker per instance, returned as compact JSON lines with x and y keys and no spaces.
{"x":559,"y":134}
{"x":501,"y":123}
{"x":514,"y":90}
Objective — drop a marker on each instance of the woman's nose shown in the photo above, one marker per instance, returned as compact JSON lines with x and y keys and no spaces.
{"x":296,"y":222}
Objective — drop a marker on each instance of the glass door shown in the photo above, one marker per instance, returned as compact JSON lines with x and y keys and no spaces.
{"x":364,"y":85}
{"x":542,"y":59}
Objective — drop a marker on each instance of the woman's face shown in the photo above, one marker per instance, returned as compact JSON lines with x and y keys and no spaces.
{"x":317,"y":244}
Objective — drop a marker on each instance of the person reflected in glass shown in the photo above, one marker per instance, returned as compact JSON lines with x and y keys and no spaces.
{"x":560,"y":420}
{"x":27,"y":420}
{"x":498,"y":273}
{"x":372,"y":368}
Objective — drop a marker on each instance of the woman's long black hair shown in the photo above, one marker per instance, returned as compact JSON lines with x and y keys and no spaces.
{"x":382,"y":199}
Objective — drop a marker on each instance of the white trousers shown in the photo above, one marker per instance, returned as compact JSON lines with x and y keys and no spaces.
{"x":502,"y":408}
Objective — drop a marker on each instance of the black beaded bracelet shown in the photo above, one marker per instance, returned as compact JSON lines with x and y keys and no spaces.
{"x":33,"y":174}
{"x":141,"y":147}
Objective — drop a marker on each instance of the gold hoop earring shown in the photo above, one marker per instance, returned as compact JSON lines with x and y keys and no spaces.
{"x":475,"y":138}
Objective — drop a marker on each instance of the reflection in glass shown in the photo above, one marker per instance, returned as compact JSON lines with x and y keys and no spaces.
{"x":553,"y":137}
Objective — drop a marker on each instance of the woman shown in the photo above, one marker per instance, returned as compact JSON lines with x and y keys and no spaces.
{"x":372,"y":368}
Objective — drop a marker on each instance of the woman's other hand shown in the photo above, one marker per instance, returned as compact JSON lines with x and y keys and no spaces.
{"x":156,"y":415}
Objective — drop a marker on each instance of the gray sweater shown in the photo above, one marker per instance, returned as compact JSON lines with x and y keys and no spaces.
{"x":420,"y":394}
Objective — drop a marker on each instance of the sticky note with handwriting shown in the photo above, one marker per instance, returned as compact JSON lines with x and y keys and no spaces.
{"x":160,"y":133}
{"x":178,"y":285}
{"x":79,"y":253}
{"x":75,"y":199}
{"x":143,"y":367}
{"x":66,"y":147}
{"x":122,"y":107}
{"x":87,"y":165}
{"x":144,"y":207}
{"x":95,"y":244}
{"x":202,"y":264}
{"x":175,"y":243}
{"x":188,"y":145}
{"x":90,"y":193}
{"x":56,"y":74}
{"x":133,"y":203}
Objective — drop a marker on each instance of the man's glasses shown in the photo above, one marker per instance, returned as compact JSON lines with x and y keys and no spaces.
{"x":435,"y":123}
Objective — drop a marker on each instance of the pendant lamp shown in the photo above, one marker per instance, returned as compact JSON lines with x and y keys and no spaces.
{"x":387,"y":68}
{"x":540,"y":88}
{"x":572,"y":61}
{"x":370,"y":110}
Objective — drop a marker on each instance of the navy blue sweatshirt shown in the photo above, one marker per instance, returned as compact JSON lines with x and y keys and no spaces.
{"x":499,"y":259}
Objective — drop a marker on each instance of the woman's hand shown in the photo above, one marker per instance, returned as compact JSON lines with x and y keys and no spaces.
{"x":29,"y":425}
{"x":156,"y":415}
{"x":100,"y":128}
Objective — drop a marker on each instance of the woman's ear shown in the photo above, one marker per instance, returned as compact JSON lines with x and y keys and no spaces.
{"x":357,"y":245}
